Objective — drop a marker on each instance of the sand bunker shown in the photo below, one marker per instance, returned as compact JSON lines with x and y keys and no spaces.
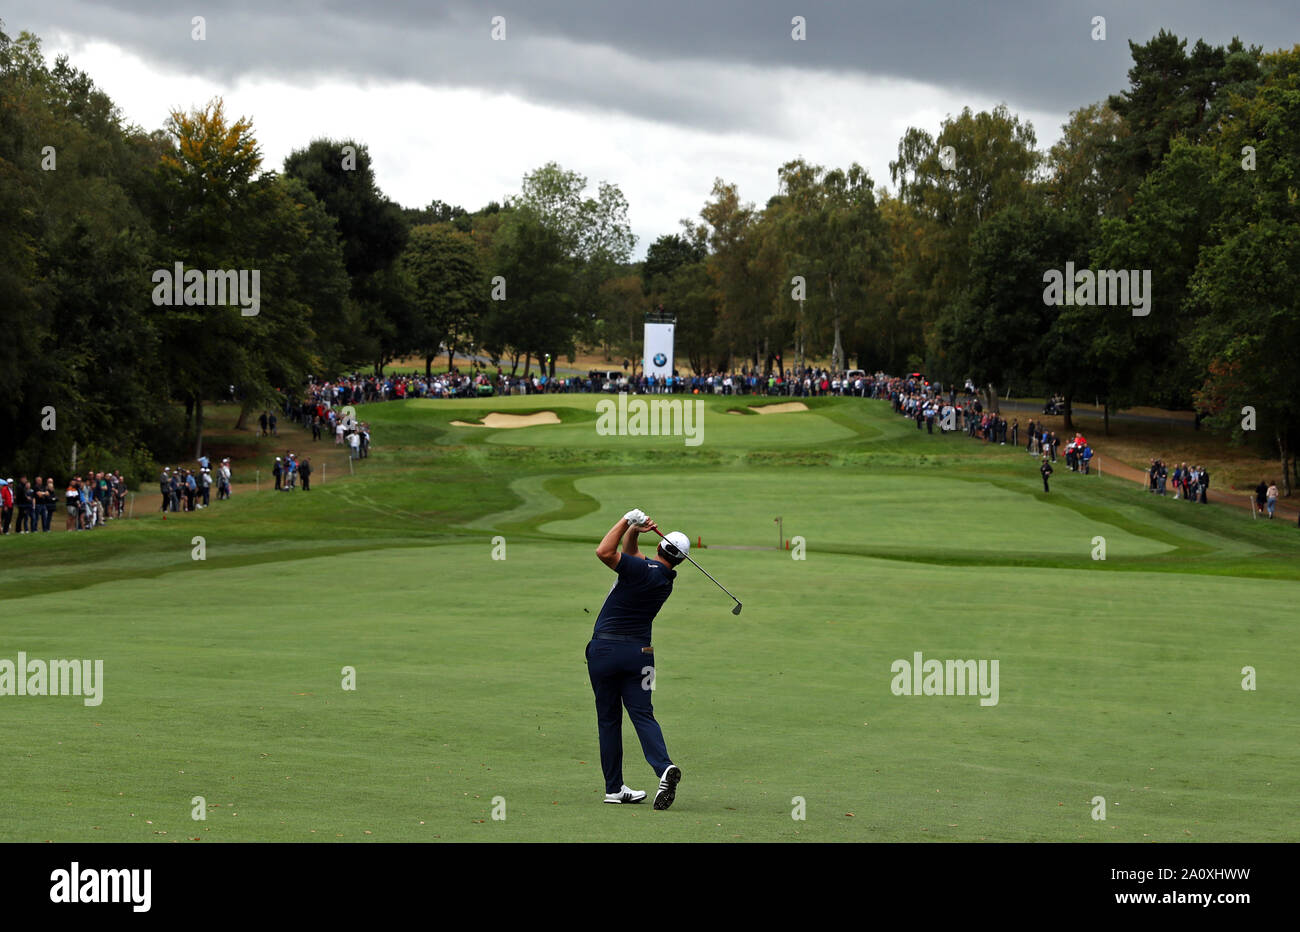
{"x":787,"y":408}
{"x":497,"y":419}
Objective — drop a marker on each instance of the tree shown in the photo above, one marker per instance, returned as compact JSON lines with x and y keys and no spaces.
{"x":436,"y":212}
{"x":979,"y":164}
{"x":999,"y":328}
{"x":730,"y":225}
{"x":1174,"y":94}
{"x":1143,"y":359}
{"x":74,"y":268}
{"x":323,"y":284}
{"x":449,"y":288}
{"x":538,"y":316}
{"x":1245,"y":286}
{"x":893,"y":329}
{"x":593,"y":233}
{"x":223,"y":213}
{"x":834,"y":234}
{"x":214,"y":197}
{"x":691,"y":294}
{"x":373,"y":232}
{"x":625,"y":306}
{"x":665,"y":256}
{"x":1082,"y":174}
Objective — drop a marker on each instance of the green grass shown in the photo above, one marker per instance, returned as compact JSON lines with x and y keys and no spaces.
{"x":1118,"y":678}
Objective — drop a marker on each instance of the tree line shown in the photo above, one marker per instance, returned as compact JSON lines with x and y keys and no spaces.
{"x":1188,"y":174}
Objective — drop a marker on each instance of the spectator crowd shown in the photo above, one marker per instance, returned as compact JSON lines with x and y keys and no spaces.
{"x":89,"y":502}
{"x":1191,"y":483}
{"x":327,"y":410}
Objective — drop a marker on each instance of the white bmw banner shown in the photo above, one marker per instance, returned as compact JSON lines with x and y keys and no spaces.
{"x":658,"y":359}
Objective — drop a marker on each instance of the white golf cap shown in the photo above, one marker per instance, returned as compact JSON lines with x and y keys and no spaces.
{"x":678,"y":541}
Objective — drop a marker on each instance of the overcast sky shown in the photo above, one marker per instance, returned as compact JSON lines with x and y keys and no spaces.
{"x":656,"y":96}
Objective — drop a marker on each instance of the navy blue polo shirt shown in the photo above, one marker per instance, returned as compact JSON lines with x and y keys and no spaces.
{"x":642,"y":587}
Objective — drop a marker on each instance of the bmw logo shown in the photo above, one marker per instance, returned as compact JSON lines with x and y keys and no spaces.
{"x":660,"y":359}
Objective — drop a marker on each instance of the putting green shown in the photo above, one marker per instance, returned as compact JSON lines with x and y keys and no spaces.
{"x":711,"y":427}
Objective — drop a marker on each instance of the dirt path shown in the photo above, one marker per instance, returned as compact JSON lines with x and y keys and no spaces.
{"x":329,"y":460}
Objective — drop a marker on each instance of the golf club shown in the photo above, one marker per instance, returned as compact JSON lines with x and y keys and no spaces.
{"x":734,"y":611}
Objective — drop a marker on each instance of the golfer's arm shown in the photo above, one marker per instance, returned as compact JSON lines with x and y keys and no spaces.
{"x":607,"y":549}
{"x":629,"y":541}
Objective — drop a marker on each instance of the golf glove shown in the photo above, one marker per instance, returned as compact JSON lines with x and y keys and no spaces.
{"x":635,"y":516}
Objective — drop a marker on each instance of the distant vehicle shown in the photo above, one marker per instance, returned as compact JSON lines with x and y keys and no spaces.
{"x":1055,"y":406}
{"x":608,"y":379}
{"x":484,"y":390}
{"x":855,"y":374}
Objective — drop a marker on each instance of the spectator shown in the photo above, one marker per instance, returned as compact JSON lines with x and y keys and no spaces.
{"x":72,"y":505}
{"x":25,"y":500}
{"x":6,"y":505}
{"x":44,"y":503}
{"x":1272,"y":499}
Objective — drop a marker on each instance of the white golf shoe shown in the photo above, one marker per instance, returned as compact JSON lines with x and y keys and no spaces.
{"x":625,"y":795}
{"x":668,"y":787}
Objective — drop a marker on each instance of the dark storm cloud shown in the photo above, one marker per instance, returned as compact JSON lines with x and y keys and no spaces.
{"x":659,"y":59}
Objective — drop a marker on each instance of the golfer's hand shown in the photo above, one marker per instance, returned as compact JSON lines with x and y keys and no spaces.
{"x":635,"y":516}
{"x":646,"y":525}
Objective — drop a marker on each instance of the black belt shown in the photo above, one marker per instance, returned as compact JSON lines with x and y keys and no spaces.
{"x":619,"y":637}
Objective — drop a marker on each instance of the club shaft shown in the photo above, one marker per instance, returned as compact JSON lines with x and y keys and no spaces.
{"x":704,"y":571}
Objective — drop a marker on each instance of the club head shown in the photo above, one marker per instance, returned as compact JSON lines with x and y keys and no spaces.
{"x":736,"y":610}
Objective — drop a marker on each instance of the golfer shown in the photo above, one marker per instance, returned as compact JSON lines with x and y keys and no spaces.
{"x":620,"y":659}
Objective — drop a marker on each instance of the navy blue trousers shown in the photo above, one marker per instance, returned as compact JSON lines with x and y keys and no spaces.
{"x":620,"y":679}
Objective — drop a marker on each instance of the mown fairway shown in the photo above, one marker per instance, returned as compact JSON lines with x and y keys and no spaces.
{"x":1118,"y":678}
